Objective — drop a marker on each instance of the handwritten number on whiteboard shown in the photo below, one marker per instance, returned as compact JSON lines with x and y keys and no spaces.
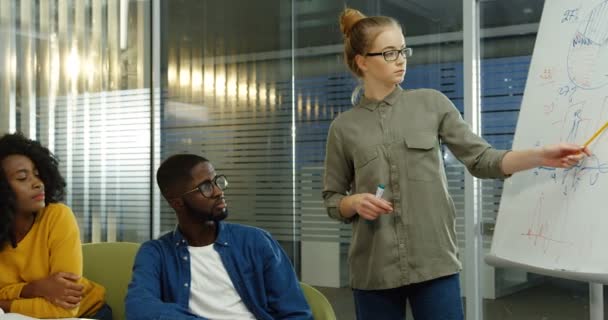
{"x":570,"y":15}
{"x":567,"y":90}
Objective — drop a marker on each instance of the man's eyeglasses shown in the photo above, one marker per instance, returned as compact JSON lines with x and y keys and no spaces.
{"x":206,"y":187}
{"x":392,"y":55}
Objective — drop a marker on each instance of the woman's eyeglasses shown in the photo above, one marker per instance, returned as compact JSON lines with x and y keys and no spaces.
{"x":392,"y":55}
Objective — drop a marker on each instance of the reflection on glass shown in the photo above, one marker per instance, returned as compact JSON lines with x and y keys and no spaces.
{"x":82,"y":95}
{"x":242,"y":85}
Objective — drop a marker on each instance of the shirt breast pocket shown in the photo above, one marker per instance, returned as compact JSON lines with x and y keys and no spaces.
{"x":422,"y":157}
{"x":365,"y":163}
{"x":364,"y":156}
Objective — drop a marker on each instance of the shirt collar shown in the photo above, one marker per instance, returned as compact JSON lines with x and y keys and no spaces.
{"x":390,"y":99}
{"x":222,"y":235}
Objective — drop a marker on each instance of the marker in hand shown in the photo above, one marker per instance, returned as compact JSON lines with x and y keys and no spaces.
{"x":379,"y":191}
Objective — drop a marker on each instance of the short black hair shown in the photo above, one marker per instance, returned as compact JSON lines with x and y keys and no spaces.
{"x":47,"y":165}
{"x":175,"y":171}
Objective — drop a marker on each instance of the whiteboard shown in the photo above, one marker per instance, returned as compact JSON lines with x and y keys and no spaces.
{"x":555,"y":221}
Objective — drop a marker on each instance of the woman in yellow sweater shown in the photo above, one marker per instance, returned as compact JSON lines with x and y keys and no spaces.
{"x":40,"y":249}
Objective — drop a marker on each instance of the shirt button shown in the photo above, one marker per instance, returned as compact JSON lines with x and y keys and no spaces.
{"x":186,"y":285}
{"x":185,"y":257}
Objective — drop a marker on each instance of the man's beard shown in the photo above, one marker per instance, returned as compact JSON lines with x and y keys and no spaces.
{"x":205,"y":217}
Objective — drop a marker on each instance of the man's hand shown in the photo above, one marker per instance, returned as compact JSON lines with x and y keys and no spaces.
{"x":60,"y":288}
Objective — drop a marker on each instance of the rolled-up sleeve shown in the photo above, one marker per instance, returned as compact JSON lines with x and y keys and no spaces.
{"x":480,"y":158}
{"x":12,"y":291}
{"x":338,"y":174}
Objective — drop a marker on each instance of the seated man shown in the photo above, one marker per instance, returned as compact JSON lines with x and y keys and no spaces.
{"x":206,"y":268}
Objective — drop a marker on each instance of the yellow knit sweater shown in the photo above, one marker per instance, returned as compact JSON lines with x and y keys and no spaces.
{"x":52,"y":245}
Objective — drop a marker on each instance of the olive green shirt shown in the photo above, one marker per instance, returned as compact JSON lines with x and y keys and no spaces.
{"x":396,"y":142}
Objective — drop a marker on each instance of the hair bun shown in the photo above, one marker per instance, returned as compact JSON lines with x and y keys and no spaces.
{"x":348,"y":19}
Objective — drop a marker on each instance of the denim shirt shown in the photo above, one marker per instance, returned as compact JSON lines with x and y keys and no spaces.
{"x":260,"y":271}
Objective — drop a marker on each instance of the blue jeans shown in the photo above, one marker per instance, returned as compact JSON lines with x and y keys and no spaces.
{"x":105,"y":313}
{"x":437,"y":299}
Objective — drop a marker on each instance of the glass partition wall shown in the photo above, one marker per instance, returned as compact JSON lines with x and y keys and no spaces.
{"x":76,"y":76}
{"x":229,"y":98}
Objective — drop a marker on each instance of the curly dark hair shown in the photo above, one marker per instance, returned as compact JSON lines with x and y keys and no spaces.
{"x":47,"y":165}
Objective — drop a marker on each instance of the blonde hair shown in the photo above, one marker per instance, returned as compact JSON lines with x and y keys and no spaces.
{"x":359,"y":33}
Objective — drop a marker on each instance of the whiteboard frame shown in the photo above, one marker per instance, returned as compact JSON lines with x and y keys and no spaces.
{"x":496,"y":261}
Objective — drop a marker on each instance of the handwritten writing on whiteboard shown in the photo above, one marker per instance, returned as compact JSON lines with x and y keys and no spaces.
{"x":570,"y":15}
{"x":588,"y":55}
{"x":552,"y":218}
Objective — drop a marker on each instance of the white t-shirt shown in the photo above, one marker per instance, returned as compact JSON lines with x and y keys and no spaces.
{"x":212,"y":294}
